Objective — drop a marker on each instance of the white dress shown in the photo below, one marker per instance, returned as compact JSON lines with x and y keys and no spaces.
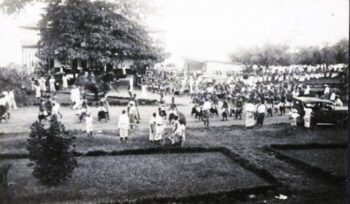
{"x":64,"y":82}
{"x":52,"y":85}
{"x":56,"y":109}
{"x":12,"y":101}
{"x":249,"y":117}
{"x":88,"y":124}
{"x":307,"y":117}
{"x":123,"y":125}
{"x":37,"y":91}
{"x":152,"y":124}
{"x":159,"y":128}
{"x":42,"y":84}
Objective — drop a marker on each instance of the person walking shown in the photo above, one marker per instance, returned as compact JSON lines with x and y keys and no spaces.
{"x":42,"y":83}
{"x":132,"y":113}
{"x":88,"y":125}
{"x":12,"y":101}
{"x":123,"y":126}
{"x":64,"y":81}
{"x":338,"y":101}
{"x":37,"y":92}
{"x":293,"y":118}
{"x":326,"y":92}
{"x":75,"y":97}
{"x":159,"y":128}
{"x":152,"y":127}
{"x":261,"y":114}
{"x":206,"y":111}
{"x":225,"y":111}
{"x":307,"y":117}
{"x":249,"y":117}
{"x":182,"y":130}
{"x":56,"y":109}
{"x":52,"y":84}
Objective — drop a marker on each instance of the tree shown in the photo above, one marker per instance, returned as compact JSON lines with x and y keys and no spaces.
{"x":279,"y":54}
{"x":268,"y":54}
{"x":12,"y":79}
{"x":5,"y":194}
{"x":342,"y":51}
{"x":93,"y":31}
{"x":97,"y":33}
{"x":50,"y":149}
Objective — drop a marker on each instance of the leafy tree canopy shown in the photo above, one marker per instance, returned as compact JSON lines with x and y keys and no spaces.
{"x":269,"y":54}
{"x":92,"y":30}
{"x":102,"y":31}
{"x":279,"y":54}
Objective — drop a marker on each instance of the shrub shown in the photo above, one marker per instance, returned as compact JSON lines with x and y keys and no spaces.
{"x":4,"y":192}
{"x":50,"y":149}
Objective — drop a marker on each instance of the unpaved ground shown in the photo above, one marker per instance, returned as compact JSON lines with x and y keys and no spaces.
{"x":299,"y":185}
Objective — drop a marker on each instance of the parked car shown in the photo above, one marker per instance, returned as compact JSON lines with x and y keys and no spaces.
{"x":323,"y":111}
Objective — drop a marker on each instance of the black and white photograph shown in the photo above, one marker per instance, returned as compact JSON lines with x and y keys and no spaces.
{"x":174,"y":101}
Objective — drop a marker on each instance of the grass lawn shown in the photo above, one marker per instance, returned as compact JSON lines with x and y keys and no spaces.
{"x":144,"y":176}
{"x":106,"y":178}
{"x":332,"y":161}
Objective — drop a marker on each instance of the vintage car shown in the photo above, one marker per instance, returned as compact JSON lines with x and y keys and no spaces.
{"x":323,"y":111}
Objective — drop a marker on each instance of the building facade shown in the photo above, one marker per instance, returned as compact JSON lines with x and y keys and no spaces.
{"x":29,"y":44}
{"x":211,"y":67}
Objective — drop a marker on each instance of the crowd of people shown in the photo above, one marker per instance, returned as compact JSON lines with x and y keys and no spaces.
{"x":258,"y":94}
{"x":129,"y":118}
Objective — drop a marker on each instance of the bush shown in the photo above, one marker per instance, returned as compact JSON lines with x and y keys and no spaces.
{"x":4,"y":192}
{"x":13,"y":79}
{"x":50,"y":149}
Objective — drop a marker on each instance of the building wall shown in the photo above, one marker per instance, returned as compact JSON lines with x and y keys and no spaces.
{"x":193,"y":66}
{"x":218,"y":68}
{"x":29,"y":59}
{"x":29,"y":39}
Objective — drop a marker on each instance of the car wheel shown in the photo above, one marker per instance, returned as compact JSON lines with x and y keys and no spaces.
{"x":342,"y":123}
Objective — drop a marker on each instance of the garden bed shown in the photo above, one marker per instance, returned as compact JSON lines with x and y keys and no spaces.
{"x":147,"y":176}
{"x":325,"y":160}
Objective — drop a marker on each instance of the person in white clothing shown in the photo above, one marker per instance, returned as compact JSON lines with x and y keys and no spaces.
{"x":12,"y":101}
{"x":338,"y":101}
{"x":56,"y":109}
{"x":75,"y":97}
{"x":5,"y":102}
{"x":175,"y":134}
{"x":132,"y":112}
{"x":159,"y":128}
{"x":64,"y":81}
{"x":249,"y":117}
{"x":88,"y":125}
{"x":333,"y":95}
{"x":182,"y":130}
{"x":42,"y":83}
{"x":123,"y":126}
{"x":326,"y":91}
{"x":52,"y":84}
{"x":307,"y":117}
{"x":261,"y":109}
{"x":37,"y":92}
{"x":152,"y":127}
{"x":293,"y":118}
{"x":206,"y":110}
{"x":307,"y":90}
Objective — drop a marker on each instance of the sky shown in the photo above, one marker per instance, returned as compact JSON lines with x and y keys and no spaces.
{"x":212,"y":29}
